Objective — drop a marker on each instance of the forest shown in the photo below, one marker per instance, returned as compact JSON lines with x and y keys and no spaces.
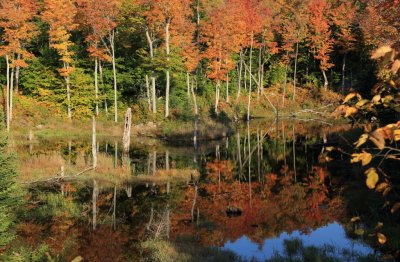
{"x":240,"y":120}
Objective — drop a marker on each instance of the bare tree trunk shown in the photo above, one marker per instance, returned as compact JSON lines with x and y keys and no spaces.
{"x":116,"y":154}
{"x":188,"y":84}
{"x":168,"y":68}
{"x":112,"y":45}
{"x":196,"y":113}
{"x":102,"y":85}
{"x":94,"y":143}
{"x":8,"y":94}
{"x":166,"y":160}
{"x":284,"y":147}
{"x":17,"y":73}
{"x":227,"y":88}
{"x":96,"y":84}
{"x":154,"y":162}
{"x":284,"y":87}
{"x":194,"y":202}
{"x":127,"y":131}
{"x":250,"y":81}
{"x":249,"y":145}
{"x":240,"y":67}
{"x":196,"y":110}
{"x":259,"y":86}
{"x":326,"y":82}
{"x":94,"y":203}
{"x":239,"y":153}
{"x":343,"y":73}
{"x":217,"y":92}
{"x":69,"y":112}
{"x":295,"y":71}
{"x":294,"y":154}
{"x":153,"y":78}
{"x":148,"y":92}
{"x":115,"y":208}
{"x":11,"y":93}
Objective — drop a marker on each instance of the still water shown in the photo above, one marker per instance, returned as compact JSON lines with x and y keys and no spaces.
{"x":258,"y":192}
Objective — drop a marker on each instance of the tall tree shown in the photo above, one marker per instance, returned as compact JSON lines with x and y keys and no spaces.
{"x":223,"y":36}
{"x":9,"y":193}
{"x":320,"y":37}
{"x":16,"y":22}
{"x":61,"y":26}
{"x":343,"y":16}
{"x":93,"y":17}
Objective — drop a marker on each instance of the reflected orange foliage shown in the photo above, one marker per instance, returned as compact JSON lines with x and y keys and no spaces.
{"x":268,"y":208}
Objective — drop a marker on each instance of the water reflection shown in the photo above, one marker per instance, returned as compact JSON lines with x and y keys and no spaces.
{"x":332,"y":235}
{"x":265,"y":183}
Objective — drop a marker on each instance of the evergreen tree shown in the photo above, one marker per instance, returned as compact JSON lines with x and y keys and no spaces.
{"x":9,"y":197}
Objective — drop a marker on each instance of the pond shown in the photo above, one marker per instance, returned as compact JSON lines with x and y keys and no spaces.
{"x":267,"y":191}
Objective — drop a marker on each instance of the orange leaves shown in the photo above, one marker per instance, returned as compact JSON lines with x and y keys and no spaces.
{"x":320,"y":38}
{"x":18,"y":28}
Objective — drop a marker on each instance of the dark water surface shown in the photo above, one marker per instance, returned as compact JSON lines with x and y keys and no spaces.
{"x":256,"y":192}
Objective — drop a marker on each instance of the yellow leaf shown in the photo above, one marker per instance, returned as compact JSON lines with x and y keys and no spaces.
{"x":349,"y":97}
{"x":381,"y":238}
{"x":376,"y":99}
{"x":359,"y":231}
{"x":377,"y":138}
{"x":382,"y":51}
{"x":396,"y":66}
{"x":372,"y":178}
{"x":364,"y":157}
{"x":355,"y":219}
{"x":329,"y":149}
{"x":351,"y":111}
{"x":77,"y":259}
{"x":379,"y":225}
{"x":361,"y":140}
{"x":396,"y":134}
{"x":362,"y":103}
{"x":395,"y":207}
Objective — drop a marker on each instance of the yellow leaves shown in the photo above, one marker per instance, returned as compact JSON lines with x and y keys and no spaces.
{"x":381,"y":238}
{"x":361,"y":140}
{"x":359,"y":231}
{"x":351,"y":111}
{"x":77,"y":259}
{"x":372,"y":178}
{"x":364,"y":158}
{"x":362,"y":103}
{"x":355,"y":219}
{"x":395,"y":66}
{"x":395,"y":207}
{"x":382,"y":51}
{"x":377,"y":138}
{"x":396,"y":135}
{"x":376,"y":99}
{"x":351,"y":96}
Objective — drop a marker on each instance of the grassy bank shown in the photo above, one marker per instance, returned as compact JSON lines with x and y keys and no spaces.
{"x":47,"y":120}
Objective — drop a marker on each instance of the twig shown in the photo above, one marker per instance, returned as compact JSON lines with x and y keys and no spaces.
{"x":57,"y":177}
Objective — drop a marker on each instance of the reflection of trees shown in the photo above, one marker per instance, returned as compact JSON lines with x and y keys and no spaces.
{"x":277,"y":205}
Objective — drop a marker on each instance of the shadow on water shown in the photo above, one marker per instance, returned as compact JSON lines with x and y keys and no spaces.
{"x":252,"y":195}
